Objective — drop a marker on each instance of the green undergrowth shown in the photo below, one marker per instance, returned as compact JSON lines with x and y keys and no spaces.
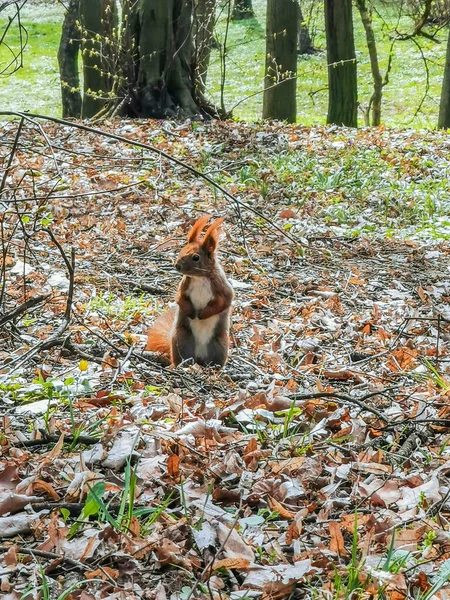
{"x":36,"y":86}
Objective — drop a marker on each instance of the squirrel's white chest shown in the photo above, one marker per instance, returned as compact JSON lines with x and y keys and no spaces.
{"x":200,"y":292}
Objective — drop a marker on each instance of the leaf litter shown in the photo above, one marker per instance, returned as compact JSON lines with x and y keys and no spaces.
{"x":315,"y":464}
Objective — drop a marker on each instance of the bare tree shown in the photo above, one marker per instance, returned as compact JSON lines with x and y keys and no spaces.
{"x":341,"y":57}
{"x":280,"y":83}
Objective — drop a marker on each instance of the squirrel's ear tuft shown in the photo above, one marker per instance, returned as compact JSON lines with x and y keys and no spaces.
{"x":197,"y":227}
{"x":212,"y":235}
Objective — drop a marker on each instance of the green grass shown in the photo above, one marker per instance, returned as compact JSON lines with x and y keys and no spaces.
{"x":36,"y":86}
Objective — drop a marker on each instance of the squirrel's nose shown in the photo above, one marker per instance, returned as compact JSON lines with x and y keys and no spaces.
{"x":178,"y":267}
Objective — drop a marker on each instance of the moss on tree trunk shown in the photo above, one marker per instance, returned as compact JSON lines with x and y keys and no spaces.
{"x":98,"y":19}
{"x":280,"y":84}
{"x":341,"y":58}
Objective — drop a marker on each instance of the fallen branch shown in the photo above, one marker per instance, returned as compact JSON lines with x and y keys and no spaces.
{"x":15,"y":312}
{"x":49,"y":555}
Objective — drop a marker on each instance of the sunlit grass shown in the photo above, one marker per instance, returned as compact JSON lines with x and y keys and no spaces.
{"x":36,"y":86}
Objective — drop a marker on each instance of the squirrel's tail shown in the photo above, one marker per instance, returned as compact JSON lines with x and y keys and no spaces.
{"x":160,"y":334}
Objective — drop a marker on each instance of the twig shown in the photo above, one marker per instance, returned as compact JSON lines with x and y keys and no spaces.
{"x":49,"y":555}
{"x":87,"y":440}
{"x":15,"y":312}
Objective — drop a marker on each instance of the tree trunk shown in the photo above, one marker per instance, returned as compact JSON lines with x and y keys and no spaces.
{"x":375,"y":100}
{"x":242,"y":9}
{"x":69,"y":48}
{"x":304,"y":39}
{"x":444,"y":107}
{"x":204,"y":27}
{"x":341,"y":58}
{"x":158,"y":59}
{"x":280,"y":83}
{"x":98,"y":18}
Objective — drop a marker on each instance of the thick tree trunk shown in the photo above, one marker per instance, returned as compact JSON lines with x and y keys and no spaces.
{"x":304,"y":39}
{"x":280,"y":83}
{"x":98,"y":18}
{"x":444,"y":107}
{"x":242,"y":9}
{"x":341,"y":57}
{"x":158,"y":59}
{"x":375,"y":100}
{"x":69,"y":48}
{"x":204,"y":27}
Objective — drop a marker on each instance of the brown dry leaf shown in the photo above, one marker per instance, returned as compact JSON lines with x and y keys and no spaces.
{"x":10,"y":557}
{"x":12,"y":503}
{"x":43,"y":486}
{"x":277,"y":590}
{"x":283,"y":512}
{"x":167,"y":552}
{"x":288,"y":465}
{"x":292,"y":533}
{"x":173,"y":465}
{"x":342,"y":375}
{"x":374,"y":468}
{"x":337,"y":540}
{"x":402,"y":359}
{"x":9,"y":478}
{"x":105,"y":573}
{"x":407,"y":539}
{"x":240,"y":564}
{"x":56,"y":451}
{"x":288,"y":213}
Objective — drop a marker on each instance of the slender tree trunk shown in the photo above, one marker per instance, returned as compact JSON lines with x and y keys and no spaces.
{"x":205,"y":20}
{"x":280,"y":83}
{"x":242,"y":9}
{"x":341,"y":57}
{"x":97,"y":21}
{"x":375,"y":100}
{"x":304,"y":39}
{"x":69,"y":48}
{"x":444,"y":107}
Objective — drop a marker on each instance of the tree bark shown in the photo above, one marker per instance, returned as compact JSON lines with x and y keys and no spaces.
{"x":444,"y":106}
{"x":304,"y":39}
{"x":204,"y":27}
{"x":242,"y":9}
{"x":375,"y":100}
{"x":97,"y":22}
{"x":68,"y":51}
{"x":158,"y":59}
{"x":341,"y":57}
{"x":280,"y":83}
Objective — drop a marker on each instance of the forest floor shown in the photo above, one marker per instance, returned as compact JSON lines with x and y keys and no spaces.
{"x":315,"y":464}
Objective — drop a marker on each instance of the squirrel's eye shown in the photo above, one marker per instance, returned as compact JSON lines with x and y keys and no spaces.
{"x":196,"y":257}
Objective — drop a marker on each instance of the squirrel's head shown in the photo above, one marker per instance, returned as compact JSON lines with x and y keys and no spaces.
{"x":198,"y":258}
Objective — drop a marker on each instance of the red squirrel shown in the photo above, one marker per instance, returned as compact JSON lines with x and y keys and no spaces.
{"x":198,"y":328}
